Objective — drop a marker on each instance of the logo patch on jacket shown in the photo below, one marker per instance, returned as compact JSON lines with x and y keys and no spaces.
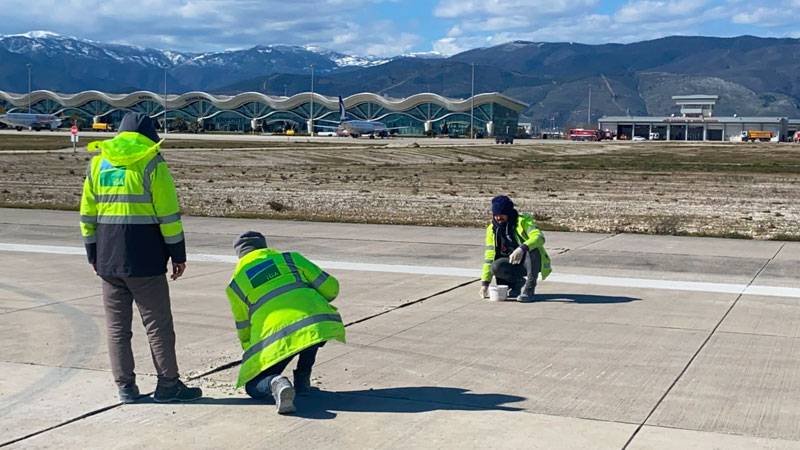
{"x":112,"y":177}
{"x":262,"y":273}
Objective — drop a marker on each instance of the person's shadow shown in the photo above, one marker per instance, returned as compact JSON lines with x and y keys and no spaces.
{"x":324,"y":404}
{"x":582,"y":298}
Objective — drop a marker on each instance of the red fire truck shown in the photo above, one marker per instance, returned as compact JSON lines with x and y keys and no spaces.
{"x":580,"y":134}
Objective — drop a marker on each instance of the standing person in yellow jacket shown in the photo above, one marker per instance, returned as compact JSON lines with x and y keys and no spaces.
{"x":514,"y":253}
{"x":131,"y":226}
{"x":281,"y":305}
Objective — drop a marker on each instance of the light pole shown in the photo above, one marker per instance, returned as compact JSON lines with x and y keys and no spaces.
{"x":29,"y":87}
{"x":165,"y":101}
{"x":472,"y":107}
{"x":311,"y":120}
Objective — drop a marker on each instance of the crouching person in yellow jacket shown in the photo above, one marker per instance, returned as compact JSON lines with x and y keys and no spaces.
{"x":281,"y":304}
{"x":514,"y":253}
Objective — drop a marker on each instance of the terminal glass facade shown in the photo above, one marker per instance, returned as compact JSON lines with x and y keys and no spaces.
{"x":417,"y":115}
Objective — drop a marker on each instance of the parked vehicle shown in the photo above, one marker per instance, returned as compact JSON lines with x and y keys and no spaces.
{"x":100,"y":126}
{"x":580,"y":134}
{"x":504,"y":139}
{"x":756,"y":135}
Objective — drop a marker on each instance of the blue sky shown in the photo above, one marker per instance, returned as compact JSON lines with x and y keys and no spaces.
{"x":391,"y":27}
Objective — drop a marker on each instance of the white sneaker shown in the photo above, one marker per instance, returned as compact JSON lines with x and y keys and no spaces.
{"x":283,"y":392}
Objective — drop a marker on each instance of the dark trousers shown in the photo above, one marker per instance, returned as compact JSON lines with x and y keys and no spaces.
{"x":151,"y":295}
{"x":259,"y":386}
{"x":513,"y":275}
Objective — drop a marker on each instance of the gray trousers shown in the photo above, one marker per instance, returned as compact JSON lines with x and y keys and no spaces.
{"x":515,"y":275}
{"x":151,"y":295}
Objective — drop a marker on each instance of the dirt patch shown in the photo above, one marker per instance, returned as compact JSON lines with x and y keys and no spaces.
{"x":682,"y":189}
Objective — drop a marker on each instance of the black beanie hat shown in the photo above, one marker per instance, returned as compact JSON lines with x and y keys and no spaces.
{"x":139,"y":123}
{"x":249,"y":241}
{"x":502,"y":205}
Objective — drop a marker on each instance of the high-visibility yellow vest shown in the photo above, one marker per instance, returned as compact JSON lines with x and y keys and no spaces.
{"x":281,"y":305}
{"x":528,"y":233}
{"x":129,"y":183}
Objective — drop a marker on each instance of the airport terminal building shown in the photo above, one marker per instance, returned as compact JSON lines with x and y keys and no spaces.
{"x":696,"y":123}
{"x":194,"y":111}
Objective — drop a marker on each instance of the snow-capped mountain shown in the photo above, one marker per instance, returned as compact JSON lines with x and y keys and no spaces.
{"x":80,"y":63}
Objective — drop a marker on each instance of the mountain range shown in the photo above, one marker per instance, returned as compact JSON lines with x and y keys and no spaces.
{"x":752,"y":75}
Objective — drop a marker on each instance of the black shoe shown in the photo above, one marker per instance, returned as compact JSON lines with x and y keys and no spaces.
{"x":129,"y":393}
{"x":527,"y":294}
{"x":302,"y":382}
{"x":513,"y":293}
{"x":179,"y":392}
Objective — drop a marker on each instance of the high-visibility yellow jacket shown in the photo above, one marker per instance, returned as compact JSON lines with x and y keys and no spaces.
{"x":281,"y":305}
{"x":528,"y":233}
{"x":130,"y":217}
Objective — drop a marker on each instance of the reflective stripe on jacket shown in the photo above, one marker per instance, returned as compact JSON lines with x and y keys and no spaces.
{"x":129,"y":209}
{"x":528,"y":233}
{"x":281,"y":305}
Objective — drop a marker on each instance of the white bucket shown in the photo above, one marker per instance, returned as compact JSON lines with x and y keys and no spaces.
{"x":498,"y":293}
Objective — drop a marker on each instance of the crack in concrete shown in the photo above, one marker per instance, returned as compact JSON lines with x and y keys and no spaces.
{"x":700,"y":349}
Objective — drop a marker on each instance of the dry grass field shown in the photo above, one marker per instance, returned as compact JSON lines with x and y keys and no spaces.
{"x":731,"y":190}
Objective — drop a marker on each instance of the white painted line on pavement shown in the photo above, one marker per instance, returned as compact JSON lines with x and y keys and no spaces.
{"x":567,"y":278}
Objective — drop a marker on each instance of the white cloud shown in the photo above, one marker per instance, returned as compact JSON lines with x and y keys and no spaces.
{"x":508,"y":8}
{"x":637,"y":11}
{"x":488,"y":22}
{"x":764,"y":16}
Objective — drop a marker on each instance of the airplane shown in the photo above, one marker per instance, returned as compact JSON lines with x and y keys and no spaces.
{"x":357,"y":127}
{"x":31,"y":121}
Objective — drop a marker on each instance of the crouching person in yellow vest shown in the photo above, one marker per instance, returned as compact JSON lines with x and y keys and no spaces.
{"x":514,"y":254}
{"x":281,"y":304}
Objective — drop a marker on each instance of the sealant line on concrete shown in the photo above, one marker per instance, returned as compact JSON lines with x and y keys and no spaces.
{"x":45,"y":305}
{"x":699,"y":349}
{"x":233,"y":364}
{"x":225,"y":367}
{"x":590,"y":243}
{"x":90,"y":369}
{"x":74,"y":419}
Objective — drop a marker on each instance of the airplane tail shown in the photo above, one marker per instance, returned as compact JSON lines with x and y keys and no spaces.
{"x":342,"y":111}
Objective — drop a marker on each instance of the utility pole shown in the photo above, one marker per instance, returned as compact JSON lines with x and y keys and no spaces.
{"x":165,"y":100}
{"x":472,"y":107}
{"x":29,"y":87}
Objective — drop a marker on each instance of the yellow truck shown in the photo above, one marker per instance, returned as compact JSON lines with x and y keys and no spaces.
{"x":100,"y":126}
{"x":756,"y":135}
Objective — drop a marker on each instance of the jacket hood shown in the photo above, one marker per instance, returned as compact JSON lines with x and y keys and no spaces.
{"x":126,"y":148}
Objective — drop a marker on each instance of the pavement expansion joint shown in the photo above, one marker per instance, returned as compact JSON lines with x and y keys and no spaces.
{"x":62,"y":424}
{"x":53,"y":303}
{"x":28,"y":363}
{"x":700,"y":348}
{"x":230,"y":365}
{"x":589,"y":244}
